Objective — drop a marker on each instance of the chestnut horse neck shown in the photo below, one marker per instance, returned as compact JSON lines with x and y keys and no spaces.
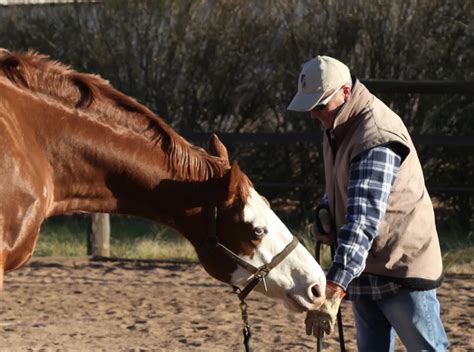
{"x":104,"y":151}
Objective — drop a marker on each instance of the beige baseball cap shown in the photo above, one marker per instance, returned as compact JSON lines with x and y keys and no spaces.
{"x":318,"y":76}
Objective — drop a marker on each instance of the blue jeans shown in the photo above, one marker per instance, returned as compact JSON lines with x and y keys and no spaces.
{"x":413,"y":315}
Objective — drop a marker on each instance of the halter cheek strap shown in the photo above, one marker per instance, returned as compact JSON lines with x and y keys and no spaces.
{"x":258,"y":273}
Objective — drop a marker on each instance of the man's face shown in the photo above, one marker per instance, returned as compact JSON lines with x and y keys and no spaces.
{"x":328,"y":112}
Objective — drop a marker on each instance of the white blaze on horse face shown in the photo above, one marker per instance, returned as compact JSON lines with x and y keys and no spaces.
{"x":298,"y":277}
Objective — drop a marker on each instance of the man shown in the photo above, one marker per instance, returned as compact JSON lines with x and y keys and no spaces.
{"x":387,"y":258}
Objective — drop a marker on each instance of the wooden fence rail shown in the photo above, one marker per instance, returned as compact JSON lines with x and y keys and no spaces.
{"x":312,"y":137}
{"x":464,"y":142}
{"x":419,"y":87}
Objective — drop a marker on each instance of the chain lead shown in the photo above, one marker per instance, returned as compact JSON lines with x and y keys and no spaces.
{"x":246,"y":330}
{"x":245,"y":316}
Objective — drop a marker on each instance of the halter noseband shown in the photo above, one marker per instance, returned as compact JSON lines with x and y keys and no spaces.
{"x":258,"y":273}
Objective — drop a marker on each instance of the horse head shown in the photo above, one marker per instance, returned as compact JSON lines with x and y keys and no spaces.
{"x":241,"y":222}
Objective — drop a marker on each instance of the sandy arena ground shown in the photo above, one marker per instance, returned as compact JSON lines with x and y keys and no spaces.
{"x":76,"y":305}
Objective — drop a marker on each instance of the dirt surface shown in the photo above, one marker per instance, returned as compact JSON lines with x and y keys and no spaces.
{"x":75,"y":304}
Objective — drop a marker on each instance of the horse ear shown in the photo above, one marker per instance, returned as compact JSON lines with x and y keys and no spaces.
{"x":266,"y":201}
{"x":234,"y":180}
{"x":4,"y":52}
{"x":216,"y":148}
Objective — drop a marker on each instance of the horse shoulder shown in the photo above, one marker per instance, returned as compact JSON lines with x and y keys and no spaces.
{"x":24,"y":194}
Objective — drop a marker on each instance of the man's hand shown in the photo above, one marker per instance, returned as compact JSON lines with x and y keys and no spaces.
{"x":322,"y":229}
{"x":321,"y":321}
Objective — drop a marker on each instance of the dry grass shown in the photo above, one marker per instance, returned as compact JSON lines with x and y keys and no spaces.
{"x":143,"y":241}
{"x":148,"y":248}
{"x":457,"y":251}
{"x":459,"y":261}
{"x":138,"y":241}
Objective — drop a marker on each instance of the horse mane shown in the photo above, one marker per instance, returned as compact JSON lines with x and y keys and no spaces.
{"x":96,"y":97}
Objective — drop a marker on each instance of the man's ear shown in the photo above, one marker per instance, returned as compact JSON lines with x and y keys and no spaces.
{"x":216,"y":148}
{"x":347,"y":91}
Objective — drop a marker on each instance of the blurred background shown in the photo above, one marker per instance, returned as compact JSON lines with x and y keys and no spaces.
{"x":231,"y":67}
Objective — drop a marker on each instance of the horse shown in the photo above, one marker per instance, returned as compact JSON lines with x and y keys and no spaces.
{"x":70,"y":142}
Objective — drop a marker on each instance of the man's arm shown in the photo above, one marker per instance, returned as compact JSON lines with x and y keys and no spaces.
{"x":372,"y":175}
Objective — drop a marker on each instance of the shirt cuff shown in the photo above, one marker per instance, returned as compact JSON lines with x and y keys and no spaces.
{"x":339,"y":277}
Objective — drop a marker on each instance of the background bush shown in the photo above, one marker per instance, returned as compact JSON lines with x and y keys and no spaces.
{"x":232,"y":66}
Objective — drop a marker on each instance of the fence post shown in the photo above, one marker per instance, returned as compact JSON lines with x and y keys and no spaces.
{"x":98,"y":236}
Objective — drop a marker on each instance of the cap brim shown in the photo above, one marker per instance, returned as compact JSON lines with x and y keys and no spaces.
{"x":304,"y":102}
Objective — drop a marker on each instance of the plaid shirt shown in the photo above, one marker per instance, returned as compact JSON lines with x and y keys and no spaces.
{"x":372,"y":174}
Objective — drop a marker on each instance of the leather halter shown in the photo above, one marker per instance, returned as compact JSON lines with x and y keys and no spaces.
{"x":258,"y":273}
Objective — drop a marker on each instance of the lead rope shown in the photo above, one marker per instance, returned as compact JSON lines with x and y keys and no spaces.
{"x":245,"y":319}
{"x":317,"y":256}
{"x":340,"y":329}
{"x":246,"y":330}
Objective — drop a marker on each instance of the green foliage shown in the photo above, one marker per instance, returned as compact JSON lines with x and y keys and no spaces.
{"x":232,"y":66}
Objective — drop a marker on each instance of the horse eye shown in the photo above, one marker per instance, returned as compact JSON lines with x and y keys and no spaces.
{"x":260,"y":231}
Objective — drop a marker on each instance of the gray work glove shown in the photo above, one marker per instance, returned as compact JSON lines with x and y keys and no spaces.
{"x":322,"y":229}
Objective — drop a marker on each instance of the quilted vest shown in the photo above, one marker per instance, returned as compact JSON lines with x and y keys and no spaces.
{"x":407,"y":245}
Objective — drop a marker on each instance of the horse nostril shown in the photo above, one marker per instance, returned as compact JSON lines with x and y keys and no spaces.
{"x":317,"y":294}
{"x":316,"y":291}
